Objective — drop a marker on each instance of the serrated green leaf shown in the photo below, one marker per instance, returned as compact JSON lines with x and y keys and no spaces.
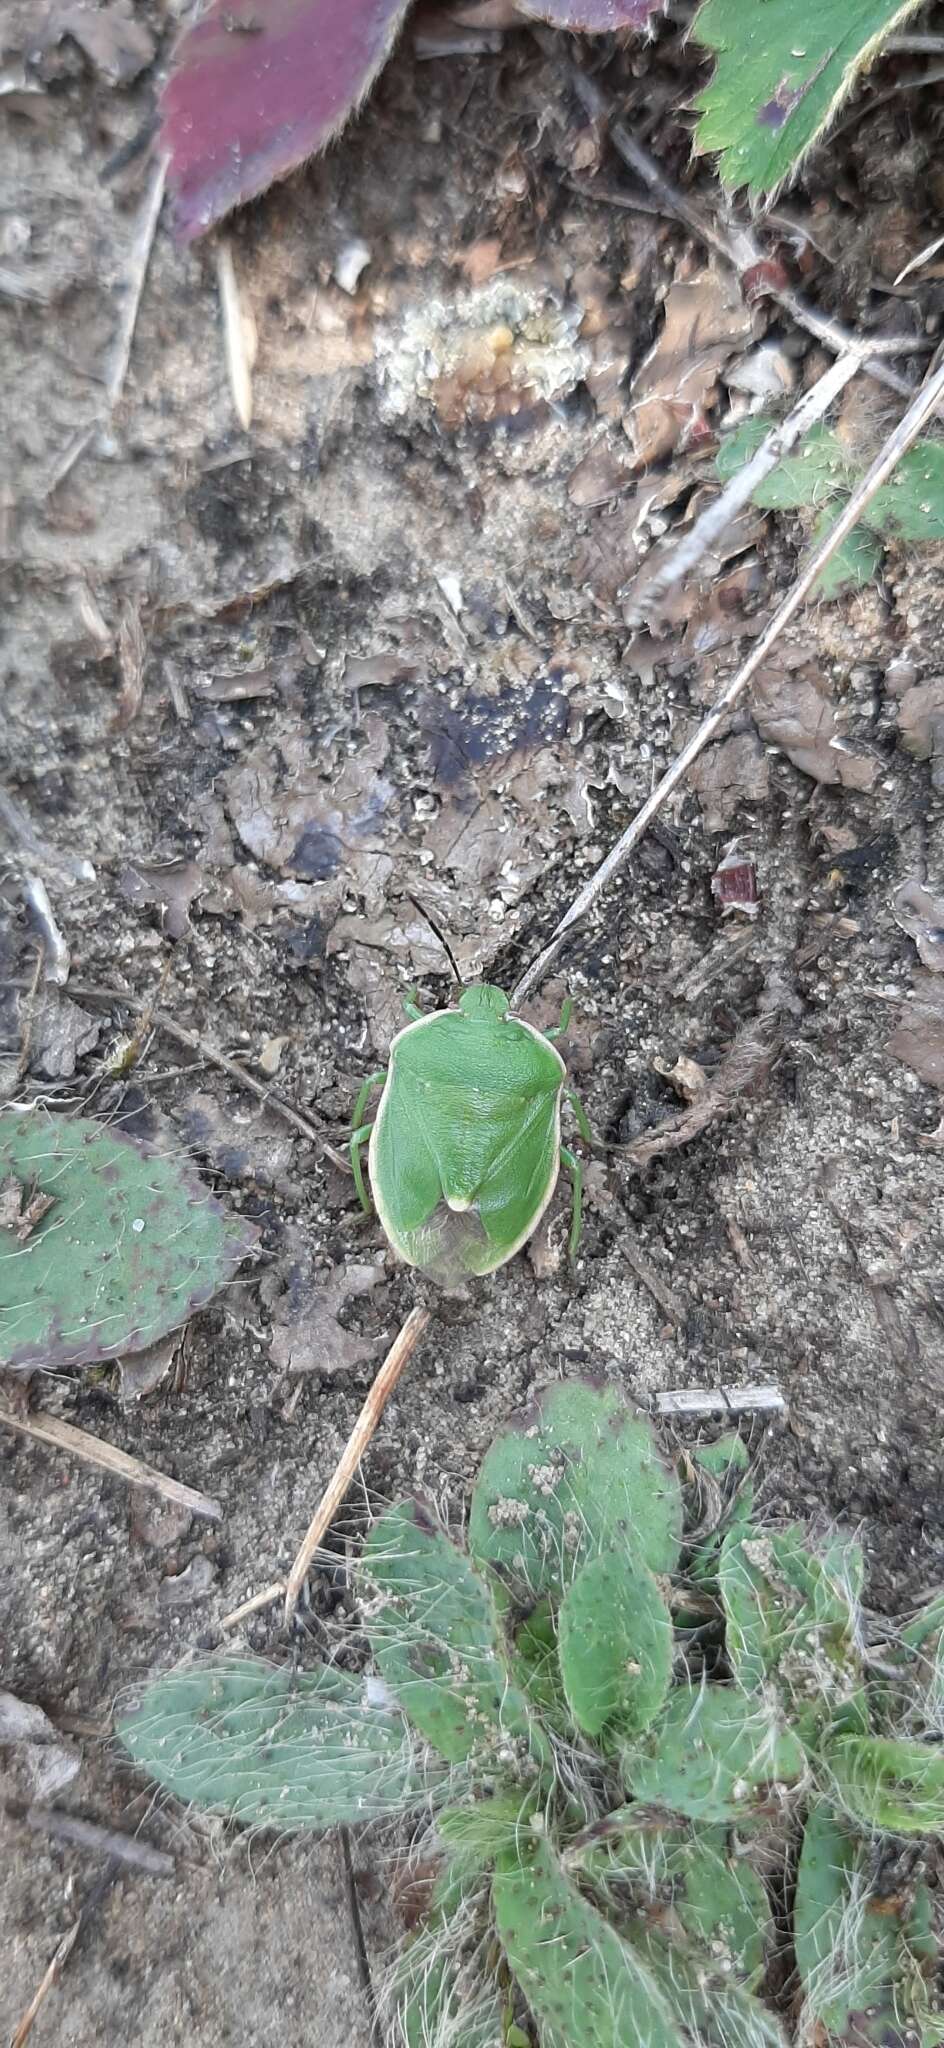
{"x":783,"y":68}
{"x":615,"y":1642}
{"x":803,"y":478}
{"x":713,"y":1755}
{"x":436,"y":1637}
{"x":578,"y":1472}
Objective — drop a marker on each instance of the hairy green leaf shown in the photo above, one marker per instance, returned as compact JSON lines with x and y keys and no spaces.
{"x":783,"y":67}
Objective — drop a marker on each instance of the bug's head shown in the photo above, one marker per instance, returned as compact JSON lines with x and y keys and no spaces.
{"x":483,"y":1001}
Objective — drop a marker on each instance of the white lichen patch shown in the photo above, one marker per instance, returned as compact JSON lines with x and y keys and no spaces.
{"x":481,"y":354}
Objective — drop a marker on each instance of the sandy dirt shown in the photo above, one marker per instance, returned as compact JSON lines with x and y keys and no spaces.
{"x":366,"y":673}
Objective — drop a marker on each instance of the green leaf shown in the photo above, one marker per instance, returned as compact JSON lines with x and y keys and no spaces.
{"x":583,"y":1983}
{"x":722,"y":1904}
{"x":857,"y":559}
{"x":844,"y":1953}
{"x":792,"y":1610}
{"x":578,"y":1472}
{"x":894,"y":1785}
{"x":436,"y":1637}
{"x":615,"y":1636}
{"x":129,"y":1245}
{"x":803,"y":478}
{"x":273,"y":1747}
{"x":714,"y":1755}
{"x":704,"y":1994}
{"x":481,"y":1830}
{"x":783,"y":68}
{"x":911,"y":505}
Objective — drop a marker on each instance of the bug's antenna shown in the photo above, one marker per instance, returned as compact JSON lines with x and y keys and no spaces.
{"x":440,"y":935}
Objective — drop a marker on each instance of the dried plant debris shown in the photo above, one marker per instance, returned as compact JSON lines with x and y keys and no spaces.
{"x":732,"y":773}
{"x":111,"y":37}
{"x":793,"y":710}
{"x":921,"y":915}
{"x":745,"y":1068}
{"x":244,"y":1144}
{"x":673,"y":391}
{"x":172,"y":885}
{"x":594,"y":17}
{"x":307,"y":1335}
{"x":920,"y":715}
{"x":257,"y":90}
{"x":918,"y":1040}
{"x":734,"y":883}
{"x":37,"y":1751}
{"x":58,"y":1033}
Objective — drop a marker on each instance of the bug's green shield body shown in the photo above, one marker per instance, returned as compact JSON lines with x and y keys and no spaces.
{"x":465,"y":1150}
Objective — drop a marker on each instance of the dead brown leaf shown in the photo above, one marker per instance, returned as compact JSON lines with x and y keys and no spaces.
{"x":330,"y":831}
{"x":706,"y":320}
{"x":918,"y":1040}
{"x":793,"y":710}
{"x":744,"y":1069}
{"x":308,"y":1336}
{"x":118,"y":44}
{"x":598,"y":478}
{"x":22,"y":1212}
{"x":732,"y":773}
{"x":60,"y":1034}
{"x":245,"y":1145}
{"x":172,"y":885}
{"x":142,"y":1371}
{"x":132,"y":657}
{"x":921,"y":915}
{"x":921,"y":725}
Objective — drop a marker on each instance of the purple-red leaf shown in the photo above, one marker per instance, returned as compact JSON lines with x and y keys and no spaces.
{"x":594,"y":17}
{"x":260,"y":85}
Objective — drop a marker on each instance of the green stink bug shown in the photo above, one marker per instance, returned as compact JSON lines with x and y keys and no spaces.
{"x":465,"y":1148}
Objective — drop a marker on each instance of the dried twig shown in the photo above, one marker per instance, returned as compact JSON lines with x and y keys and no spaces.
{"x":51,"y":1976}
{"x":668,"y":1302}
{"x":401,"y":1350}
{"x":56,"y":958}
{"x":140,"y":258}
{"x":120,"y":353}
{"x":86,"y":1834}
{"x":717,"y":516}
{"x":899,"y":441}
{"x":238,"y":334}
{"x":738,"y":246}
{"x":764,"y":1400}
{"x":63,"y":1436}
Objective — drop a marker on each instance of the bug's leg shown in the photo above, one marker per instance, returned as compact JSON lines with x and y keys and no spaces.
{"x":567,"y":1011}
{"x":412,"y":1007}
{"x":372,"y":1081}
{"x":582,"y":1120}
{"x":575,"y":1170}
{"x":360,"y":1132}
{"x":358,"y":1139}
